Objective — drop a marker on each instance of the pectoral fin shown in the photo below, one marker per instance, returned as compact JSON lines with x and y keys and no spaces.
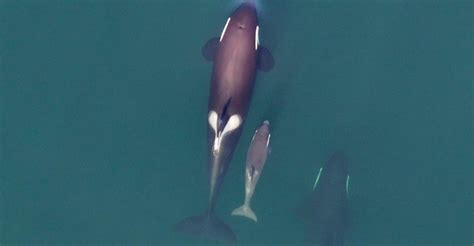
{"x":209,"y":50}
{"x":265,"y":60}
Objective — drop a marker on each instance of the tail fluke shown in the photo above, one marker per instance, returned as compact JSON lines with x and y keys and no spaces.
{"x":206,"y":226}
{"x":245,"y":211}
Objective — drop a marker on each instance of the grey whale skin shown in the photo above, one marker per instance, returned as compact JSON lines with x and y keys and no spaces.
{"x":325,"y":212}
{"x":256,"y":158}
{"x":236,"y":56}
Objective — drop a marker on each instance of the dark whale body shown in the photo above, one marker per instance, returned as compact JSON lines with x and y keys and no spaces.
{"x":325,"y":212}
{"x":236,"y":55}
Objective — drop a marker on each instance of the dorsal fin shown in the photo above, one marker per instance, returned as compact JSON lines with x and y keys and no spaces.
{"x":226,"y":107}
{"x":224,"y":114}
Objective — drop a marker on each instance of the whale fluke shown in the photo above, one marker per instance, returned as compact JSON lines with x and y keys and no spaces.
{"x":245,"y":211}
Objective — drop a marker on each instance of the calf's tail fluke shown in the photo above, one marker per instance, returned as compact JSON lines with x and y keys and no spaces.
{"x":206,"y":226}
{"x":245,"y":211}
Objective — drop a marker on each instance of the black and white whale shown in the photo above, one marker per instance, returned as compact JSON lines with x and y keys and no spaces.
{"x":325,"y":212}
{"x":237,"y":55}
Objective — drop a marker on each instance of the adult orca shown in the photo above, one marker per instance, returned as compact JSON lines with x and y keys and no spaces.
{"x":325,"y":212}
{"x":237,"y":55}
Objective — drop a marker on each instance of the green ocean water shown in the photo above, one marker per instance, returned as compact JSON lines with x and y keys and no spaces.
{"x":103,"y":119}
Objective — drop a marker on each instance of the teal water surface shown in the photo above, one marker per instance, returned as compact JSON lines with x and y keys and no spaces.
{"x":103,"y":119}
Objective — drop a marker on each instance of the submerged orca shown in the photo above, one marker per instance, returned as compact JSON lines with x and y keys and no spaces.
{"x":237,"y":55}
{"x":325,"y":212}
